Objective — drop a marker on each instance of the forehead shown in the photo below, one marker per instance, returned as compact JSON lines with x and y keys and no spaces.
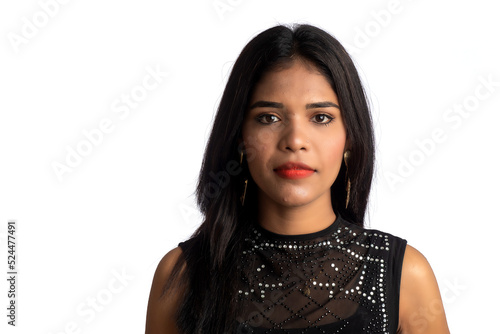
{"x":300,"y":79}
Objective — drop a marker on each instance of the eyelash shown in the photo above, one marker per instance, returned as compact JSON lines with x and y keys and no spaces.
{"x":330,"y":119}
{"x":261,"y":117}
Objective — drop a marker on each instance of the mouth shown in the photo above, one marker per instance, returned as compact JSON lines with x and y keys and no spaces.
{"x":294,"y":170}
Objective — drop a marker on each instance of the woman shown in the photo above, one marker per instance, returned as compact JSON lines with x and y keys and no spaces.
{"x":284,"y":188}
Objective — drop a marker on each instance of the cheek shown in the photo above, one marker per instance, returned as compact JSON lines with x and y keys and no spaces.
{"x":336,"y":149}
{"x":257,"y":144}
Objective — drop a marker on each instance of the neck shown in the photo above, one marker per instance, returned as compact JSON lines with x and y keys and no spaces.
{"x":293,"y":220}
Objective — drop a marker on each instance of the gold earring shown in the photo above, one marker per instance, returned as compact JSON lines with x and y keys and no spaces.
{"x":347,"y":154}
{"x":242,"y":198}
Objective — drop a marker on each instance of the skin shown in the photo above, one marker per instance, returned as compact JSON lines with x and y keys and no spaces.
{"x":161,"y":310}
{"x":291,"y":129}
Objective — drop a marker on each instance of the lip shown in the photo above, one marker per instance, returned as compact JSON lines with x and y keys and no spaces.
{"x":294,"y":170}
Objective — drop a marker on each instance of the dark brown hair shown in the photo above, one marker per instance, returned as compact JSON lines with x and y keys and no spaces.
{"x":211,"y":254}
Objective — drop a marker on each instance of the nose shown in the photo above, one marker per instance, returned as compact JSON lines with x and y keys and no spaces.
{"x":294,"y":137}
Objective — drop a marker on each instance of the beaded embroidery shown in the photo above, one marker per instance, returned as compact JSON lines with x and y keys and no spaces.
{"x":344,"y":279}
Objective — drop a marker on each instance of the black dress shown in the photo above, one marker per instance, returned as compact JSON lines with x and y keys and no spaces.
{"x":343,"y":279}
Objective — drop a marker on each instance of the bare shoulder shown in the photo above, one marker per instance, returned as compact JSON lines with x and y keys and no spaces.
{"x":167,"y":263}
{"x":162,"y":307}
{"x":420,"y":306}
{"x":415,"y":263}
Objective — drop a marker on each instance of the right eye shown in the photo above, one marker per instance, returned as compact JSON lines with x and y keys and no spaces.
{"x":268,"y":119}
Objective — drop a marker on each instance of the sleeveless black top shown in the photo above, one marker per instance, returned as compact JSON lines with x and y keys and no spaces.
{"x":343,"y":279}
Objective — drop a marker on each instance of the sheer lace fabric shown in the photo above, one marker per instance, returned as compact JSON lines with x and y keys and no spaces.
{"x":343,"y":279}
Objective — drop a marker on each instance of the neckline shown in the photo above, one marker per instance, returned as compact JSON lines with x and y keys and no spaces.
{"x":300,"y":237}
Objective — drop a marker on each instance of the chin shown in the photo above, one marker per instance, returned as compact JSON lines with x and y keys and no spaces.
{"x":295,"y":204}
{"x":294,"y":201}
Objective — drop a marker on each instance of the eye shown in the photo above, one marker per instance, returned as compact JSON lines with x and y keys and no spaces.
{"x":268,"y":119}
{"x":322,"y":119}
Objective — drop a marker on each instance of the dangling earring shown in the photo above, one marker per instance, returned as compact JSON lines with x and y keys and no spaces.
{"x":242,"y":198}
{"x":347,"y":154}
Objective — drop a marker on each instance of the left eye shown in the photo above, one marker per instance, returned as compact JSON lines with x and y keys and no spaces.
{"x":322,"y":118}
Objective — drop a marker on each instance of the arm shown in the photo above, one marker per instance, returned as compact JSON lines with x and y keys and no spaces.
{"x":160,"y":318}
{"x":420,"y":306}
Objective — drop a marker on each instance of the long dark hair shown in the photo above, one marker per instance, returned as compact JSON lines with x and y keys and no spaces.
{"x":211,"y":255}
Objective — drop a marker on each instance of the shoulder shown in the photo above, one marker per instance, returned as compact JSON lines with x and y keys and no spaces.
{"x":378,"y":239}
{"x":162,"y":307}
{"x":415,"y":264}
{"x":420,"y":305}
{"x":167,"y":263}
{"x":361,"y":229}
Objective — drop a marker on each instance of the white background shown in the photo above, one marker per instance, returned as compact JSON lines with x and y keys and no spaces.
{"x":130,"y":199}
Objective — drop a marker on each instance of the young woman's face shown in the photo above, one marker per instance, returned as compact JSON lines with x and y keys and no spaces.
{"x":293,"y":117}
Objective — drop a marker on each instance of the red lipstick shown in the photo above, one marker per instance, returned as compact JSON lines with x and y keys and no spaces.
{"x":294,"y":170}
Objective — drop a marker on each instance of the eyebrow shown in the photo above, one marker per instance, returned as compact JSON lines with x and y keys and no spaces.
{"x":269,"y":104}
{"x":325,"y":104}
{"x":266,"y":104}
